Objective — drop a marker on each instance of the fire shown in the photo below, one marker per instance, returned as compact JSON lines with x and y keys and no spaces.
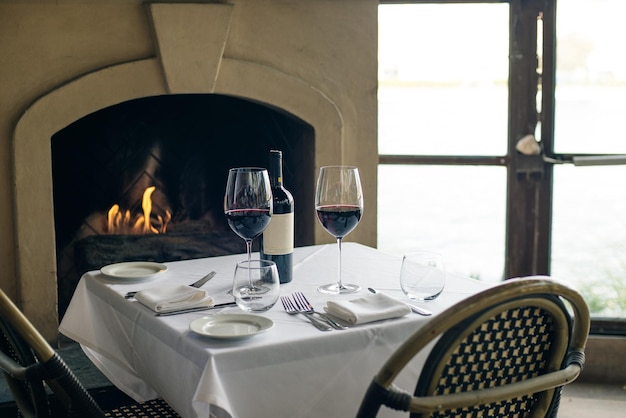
{"x":123,"y":223}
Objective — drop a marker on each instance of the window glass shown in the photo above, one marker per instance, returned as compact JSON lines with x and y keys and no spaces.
{"x":589,"y":235}
{"x":591,"y":77}
{"x":456,"y":210}
{"x":443,"y":79}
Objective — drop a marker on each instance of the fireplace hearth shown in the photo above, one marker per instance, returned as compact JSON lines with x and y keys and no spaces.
{"x":182,"y":146}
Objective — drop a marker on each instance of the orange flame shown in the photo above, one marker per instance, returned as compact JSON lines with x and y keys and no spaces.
{"x":123,"y":223}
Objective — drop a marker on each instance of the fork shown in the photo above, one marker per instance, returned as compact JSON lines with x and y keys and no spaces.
{"x":291,"y":309}
{"x":303,"y":304}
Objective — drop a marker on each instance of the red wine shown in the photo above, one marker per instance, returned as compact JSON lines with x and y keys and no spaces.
{"x":277,"y":242}
{"x":339,"y":220}
{"x":248,"y":223}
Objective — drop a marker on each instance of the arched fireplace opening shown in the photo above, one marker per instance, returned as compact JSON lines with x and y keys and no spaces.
{"x":173,"y":152}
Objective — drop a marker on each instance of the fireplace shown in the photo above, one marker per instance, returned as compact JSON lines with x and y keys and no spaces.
{"x":312,"y":62}
{"x":179,"y":149}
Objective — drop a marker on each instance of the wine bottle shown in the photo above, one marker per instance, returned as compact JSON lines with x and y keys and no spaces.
{"x":277,"y":240}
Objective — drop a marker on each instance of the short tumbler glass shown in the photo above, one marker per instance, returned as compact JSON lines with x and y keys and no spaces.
{"x":255,"y":285}
{"x":422,"y":276}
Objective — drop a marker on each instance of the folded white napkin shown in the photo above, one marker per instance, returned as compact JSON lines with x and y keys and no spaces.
{"x":173,"y":298}
{"x":367,"y":309}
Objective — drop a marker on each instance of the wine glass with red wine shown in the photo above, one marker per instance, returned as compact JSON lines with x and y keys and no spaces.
{"x":339,"y":205}
{"x":248,"y":203}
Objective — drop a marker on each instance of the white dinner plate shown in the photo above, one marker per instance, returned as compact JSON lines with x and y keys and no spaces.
{"x":133,"y":270}
{"x":230,"y":326}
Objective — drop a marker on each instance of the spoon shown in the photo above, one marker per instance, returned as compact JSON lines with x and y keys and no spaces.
{"x":414,"y":308}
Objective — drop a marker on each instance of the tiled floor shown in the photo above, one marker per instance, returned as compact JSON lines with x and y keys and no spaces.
{"x":582,"y":400}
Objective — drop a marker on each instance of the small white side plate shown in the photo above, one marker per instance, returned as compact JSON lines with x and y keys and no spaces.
{"x":134,"y":270}
{"x":230,"y":326}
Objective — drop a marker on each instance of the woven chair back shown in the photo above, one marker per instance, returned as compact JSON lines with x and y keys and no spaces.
{"x":503,"y":352}
{"x":511,"y":342}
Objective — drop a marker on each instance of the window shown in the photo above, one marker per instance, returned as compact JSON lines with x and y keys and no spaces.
{"x":449,"y":119}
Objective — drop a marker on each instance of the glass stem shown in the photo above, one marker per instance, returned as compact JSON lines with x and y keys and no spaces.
{"x":249,"y":251}
{"x":339,"y":282}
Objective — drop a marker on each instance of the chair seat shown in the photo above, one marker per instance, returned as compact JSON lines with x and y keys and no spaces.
{"x":153,"y":408}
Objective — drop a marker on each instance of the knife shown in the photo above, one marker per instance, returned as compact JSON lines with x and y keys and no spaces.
{"x":203,"y":280}
{"x":198,"y":308}
{"x":197,"y":284}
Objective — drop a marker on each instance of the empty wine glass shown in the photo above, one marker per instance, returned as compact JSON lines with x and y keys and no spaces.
{"x":248,"y":203}
{"x":339,"y":205}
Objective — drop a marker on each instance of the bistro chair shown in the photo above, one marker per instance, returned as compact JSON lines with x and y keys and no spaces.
{"x":504,"y":352}
{"x":31,"y":366}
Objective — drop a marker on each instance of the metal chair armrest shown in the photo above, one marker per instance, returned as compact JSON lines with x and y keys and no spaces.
{"x":11,"y":367}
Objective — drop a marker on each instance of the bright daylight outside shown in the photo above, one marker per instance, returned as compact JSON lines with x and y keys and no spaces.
{"x":441,"y":95}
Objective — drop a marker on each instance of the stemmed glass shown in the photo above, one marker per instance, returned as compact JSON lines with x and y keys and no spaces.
{"x":339,"y":205}
{"x":248,"y":203}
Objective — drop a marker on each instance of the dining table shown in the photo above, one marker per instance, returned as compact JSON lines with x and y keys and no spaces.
{"x":291,"y":369}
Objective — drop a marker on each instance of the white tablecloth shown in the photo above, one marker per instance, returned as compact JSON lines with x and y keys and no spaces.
{"x":291,"y":370}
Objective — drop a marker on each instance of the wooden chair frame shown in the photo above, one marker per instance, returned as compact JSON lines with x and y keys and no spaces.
{"x":39,"y":362}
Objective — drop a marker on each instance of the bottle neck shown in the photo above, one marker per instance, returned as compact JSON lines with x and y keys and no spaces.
{"x":276,"y":169}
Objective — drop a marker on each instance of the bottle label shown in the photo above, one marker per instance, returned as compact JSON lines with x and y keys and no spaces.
{"x":278,"y":237}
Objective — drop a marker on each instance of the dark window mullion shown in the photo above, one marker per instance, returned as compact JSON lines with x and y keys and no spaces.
{"x":529,"y":184}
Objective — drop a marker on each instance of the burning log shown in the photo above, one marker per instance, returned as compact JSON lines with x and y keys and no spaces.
{"x":94,"y":252}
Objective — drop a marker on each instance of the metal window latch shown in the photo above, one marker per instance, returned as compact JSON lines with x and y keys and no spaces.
{"x":531,"y":159}
{"x":531,"y":166}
